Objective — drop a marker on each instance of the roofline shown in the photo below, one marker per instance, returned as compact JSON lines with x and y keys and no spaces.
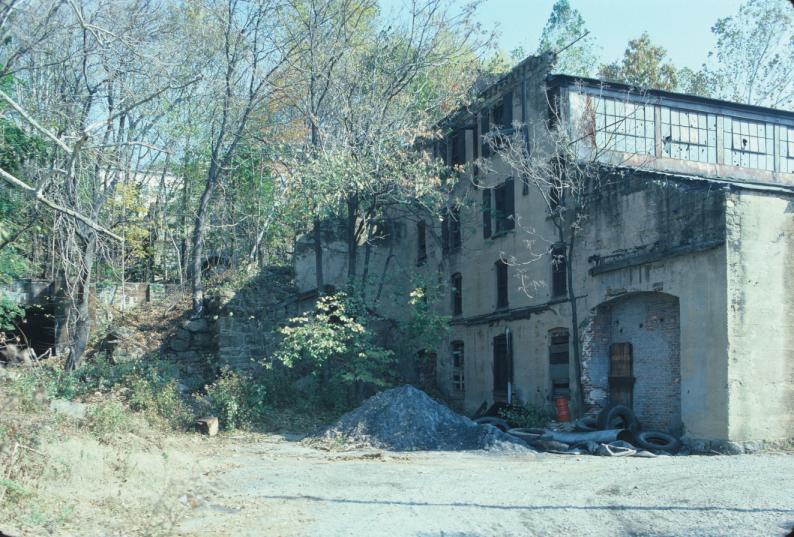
{"x":562,"y":80}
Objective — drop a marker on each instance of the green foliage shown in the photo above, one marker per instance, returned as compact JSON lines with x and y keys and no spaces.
{"x":336,"y":340}
{"x":525,"y":416}
{"x":9,"y":311}
{"x":753,"y":59}
{"x":108,"y":419}
{"x":239,"y":401}
{"x":424,"y":327}
{"x":644,"y":65}
{"x":564,"y":26}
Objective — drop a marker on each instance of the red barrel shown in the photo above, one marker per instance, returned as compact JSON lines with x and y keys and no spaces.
{"x":561,"y":405}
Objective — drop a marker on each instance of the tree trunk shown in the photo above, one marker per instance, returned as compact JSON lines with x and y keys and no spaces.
{"x":199,"y":226}
{"x":82,"y":325}
{"x":577,"y":392}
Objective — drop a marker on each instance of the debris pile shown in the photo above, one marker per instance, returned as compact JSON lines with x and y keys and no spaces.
{"x":407,"y":419}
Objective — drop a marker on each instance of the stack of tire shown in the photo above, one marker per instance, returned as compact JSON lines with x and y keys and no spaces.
{"x":616,"y":416}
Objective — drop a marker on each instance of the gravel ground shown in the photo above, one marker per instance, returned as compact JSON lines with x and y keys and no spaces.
{"x":273,"y":486}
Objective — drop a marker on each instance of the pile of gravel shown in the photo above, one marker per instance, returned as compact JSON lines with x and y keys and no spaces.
{"x":407,"y":419}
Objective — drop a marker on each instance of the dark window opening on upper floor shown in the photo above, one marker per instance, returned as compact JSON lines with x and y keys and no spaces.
{"x":421,"y":242}
{"x":501,"y":284}
{"x":451,"y":239}
{"x":457,"y":294}
{"x":559,"y":272}
{"x":486,"y":213}
{"x":458,"y":366}
{"x":504,"y":206}
{"x":458,"y":148}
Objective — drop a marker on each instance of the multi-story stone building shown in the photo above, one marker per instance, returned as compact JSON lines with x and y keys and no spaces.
{"x":683,"y":270}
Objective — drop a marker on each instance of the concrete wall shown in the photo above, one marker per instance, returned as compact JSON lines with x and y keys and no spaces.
{"x":760,"y":316}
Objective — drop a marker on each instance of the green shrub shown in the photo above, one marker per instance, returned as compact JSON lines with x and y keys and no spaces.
{"x":110,"y":418}
{"x":525,"y":416}
{"x":335,"y":343}
{"x":239,"y":401}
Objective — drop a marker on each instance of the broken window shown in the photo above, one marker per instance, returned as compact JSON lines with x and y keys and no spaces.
{"x":421,"y":242}
{"x":559,"y":272}
{"x":451,"y":239}
{"x":786,"y":149}
{"x":504,"y":206}
{"x":748,"y":144}
{"x":558,"y":362}
{"x":624,"y":126}
{"x":502,"y":365}
{"x":458,"y":379}
{"x":457,"y":294}
{"x":503,"y":112}
{"x":501,"y":284}
{"x":689,"y":135}
{"x":458,"y":151}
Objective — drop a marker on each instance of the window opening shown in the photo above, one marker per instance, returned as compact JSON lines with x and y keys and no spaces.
{"x":457,"y":294}
{"x":458,"y":369}
{"x":501,"y":284}
{"x":421,"y":242}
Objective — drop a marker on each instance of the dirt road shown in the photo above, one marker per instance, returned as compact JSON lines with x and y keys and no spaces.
{"x":279,"y":488}
{"x":265,"y":485}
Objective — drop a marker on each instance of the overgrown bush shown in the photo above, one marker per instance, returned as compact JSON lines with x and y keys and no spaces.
{"x":239,"y":401}
{"x":109,"y":418}
{"x":525,"y":416}
{"x":335,"y":344}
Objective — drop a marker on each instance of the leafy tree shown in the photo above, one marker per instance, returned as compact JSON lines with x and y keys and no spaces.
{"x":644,"y":65}
{"x":753,"y":60}
{"x":564,"y":27}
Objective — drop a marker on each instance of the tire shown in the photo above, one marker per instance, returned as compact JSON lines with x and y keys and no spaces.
{"x":616,"y":416}
{"x":527,"y":435}
{"x":656,"y":441}
{"x":586,"y":424}
{"x":499,"y":423}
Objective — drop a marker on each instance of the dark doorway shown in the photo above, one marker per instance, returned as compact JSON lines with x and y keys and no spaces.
{"x":502,"y":366}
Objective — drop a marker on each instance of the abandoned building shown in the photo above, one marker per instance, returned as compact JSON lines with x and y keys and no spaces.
{"x":683,"y":268}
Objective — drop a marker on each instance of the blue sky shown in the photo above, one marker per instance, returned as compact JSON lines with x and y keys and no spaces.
{"x":683,"y":27}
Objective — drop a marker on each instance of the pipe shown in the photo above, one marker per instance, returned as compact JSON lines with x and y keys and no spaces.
{"x":601,"y":437}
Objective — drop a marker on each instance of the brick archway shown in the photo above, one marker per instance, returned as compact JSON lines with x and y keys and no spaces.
{"x":632,"y":353}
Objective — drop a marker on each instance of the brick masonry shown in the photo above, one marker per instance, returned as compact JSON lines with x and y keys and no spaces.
{"x":650,"y":322}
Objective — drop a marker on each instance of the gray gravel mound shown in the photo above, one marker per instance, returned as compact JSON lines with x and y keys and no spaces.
{"x":407,"y":419}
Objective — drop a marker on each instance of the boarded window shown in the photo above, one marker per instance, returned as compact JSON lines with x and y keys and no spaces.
{"x":457,"y":294}
{"x":621,"y":379}
{"x":501,"y":284}
{"x":486,"y":213}
{"x":502,"y":365}
{"x":558,"y":362}
{"x":421,"y":242}
{"x":504,"y":206}
{"x":559,"y":272}
{"x":458,"y":379}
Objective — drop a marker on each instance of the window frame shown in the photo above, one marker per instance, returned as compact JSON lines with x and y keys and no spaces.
{"x":458,"y":363}
{"x":559,"y":271}
{"x":421,"y":242}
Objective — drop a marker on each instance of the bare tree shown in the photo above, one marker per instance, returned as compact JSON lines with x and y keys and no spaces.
{"x":246,"y":52}
{"x":562,"y":161}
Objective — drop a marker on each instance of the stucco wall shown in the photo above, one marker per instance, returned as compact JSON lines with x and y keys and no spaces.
{"x":761,"y":316}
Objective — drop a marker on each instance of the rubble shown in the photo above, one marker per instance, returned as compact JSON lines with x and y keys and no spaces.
{"x":407,"y":419}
